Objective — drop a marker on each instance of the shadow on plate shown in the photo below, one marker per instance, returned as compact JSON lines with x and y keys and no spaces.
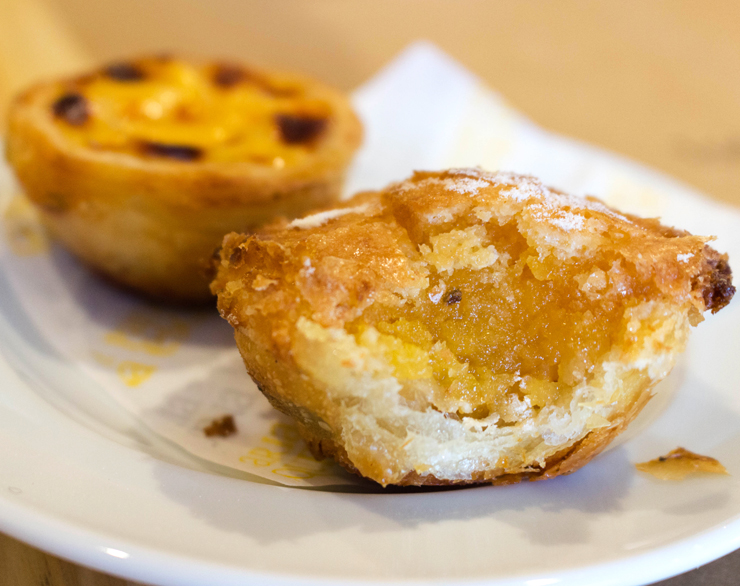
{"x":563,"y":510}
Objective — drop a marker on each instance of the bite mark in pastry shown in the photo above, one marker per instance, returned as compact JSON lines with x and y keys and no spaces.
{"x":465,"y":326}
{"x":140,"y":168}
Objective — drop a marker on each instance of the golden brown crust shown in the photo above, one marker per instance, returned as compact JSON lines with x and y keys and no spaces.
{"x":565,"y":462}
{"x":152,"y":222}
{"x":349,"y":320}
{"x":390,"y":224}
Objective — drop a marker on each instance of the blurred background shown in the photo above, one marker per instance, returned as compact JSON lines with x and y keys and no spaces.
{"x":657,"y":81}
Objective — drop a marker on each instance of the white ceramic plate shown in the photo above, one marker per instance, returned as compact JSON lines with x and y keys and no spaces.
{"x":82,"y":479}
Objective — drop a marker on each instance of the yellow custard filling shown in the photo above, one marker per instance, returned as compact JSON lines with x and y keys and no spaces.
{"x":166,"y":108}
{"x":519,"y":326}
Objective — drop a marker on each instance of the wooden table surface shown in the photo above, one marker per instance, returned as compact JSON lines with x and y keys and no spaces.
{"x":657,"y":81}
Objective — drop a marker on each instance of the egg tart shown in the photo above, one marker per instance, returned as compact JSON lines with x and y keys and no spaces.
{"x":464,"y":326}
{"x":140,"y":168}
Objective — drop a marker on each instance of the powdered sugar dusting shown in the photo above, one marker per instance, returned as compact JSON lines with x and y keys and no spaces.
{"x":320,"y":218}
{"x":567,"y":221}
{"x":406,"y":186}
{"x":521,"y":186}
{"x":523,"y":192}
{"x":555,"y":208}
{"x":307,"y":269}
{"x":684,"y":257}
{"x":465,"y":185}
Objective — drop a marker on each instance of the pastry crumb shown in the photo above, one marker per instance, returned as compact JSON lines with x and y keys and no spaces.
{"x":680,"y":463}
{"x":221,"y":427}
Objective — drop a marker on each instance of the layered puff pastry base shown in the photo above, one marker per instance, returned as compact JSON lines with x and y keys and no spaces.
{"x":140,"y":168}
{"x":464,"y":326}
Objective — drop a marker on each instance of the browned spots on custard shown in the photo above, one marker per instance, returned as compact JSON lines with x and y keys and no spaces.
{"x":679,"y":463}
{"x":177,"y":152}
{"x":453,"y":297}
{"x":73,"y":108}
{"x":221,"y":427}
{"x":125,"y":72}
{"x":227,"y":75}
{"x":300,"y":129}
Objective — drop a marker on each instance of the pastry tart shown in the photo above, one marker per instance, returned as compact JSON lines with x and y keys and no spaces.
{"x":142,"y":167}
{"x":464,"y":326}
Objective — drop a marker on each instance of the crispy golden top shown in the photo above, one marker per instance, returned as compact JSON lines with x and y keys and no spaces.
{"x":473,"y":284}
{"x":389,"y":247}
{"x":165,"y":108}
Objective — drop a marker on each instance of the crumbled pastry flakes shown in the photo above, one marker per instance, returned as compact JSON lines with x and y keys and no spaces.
{"x":680,"y":463}
{"x":224,"y":426}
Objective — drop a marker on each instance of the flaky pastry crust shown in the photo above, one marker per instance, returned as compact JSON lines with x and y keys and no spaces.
{"x":463,"y":326}
{"x":140,"y":168}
